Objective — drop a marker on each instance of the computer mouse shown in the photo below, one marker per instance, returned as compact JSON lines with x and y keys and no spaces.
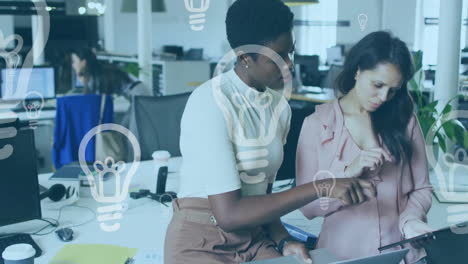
{"x":167,"y":197}
{"x":65,"y":234}
{"x":172,"y":194}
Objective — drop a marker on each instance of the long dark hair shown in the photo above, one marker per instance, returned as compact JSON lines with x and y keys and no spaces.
{"x":390,"y":121}
{"x":107,"y":77}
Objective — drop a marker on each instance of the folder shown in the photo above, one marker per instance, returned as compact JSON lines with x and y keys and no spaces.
{"x":93,"y":254}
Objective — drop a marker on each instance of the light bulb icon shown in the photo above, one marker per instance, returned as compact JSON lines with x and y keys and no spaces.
{"x":12,"y":61}
{"x":197,"y":18}
{"x":447,"y":171}
{"x":112,"y":205}
{"x":324,"y":189}
{"x":362,"y":20}
{"x":457,"y":213}
{"x":7,"y":132}
{"x":33,"y":104}
{"x":8,"y":117}
{"x":4,"y":42}
{"x":252,"y":149}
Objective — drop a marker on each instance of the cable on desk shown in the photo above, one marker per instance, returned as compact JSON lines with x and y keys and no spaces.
{"x":49,"y":224}
{"x":56,"y":225}
{"x":77,"y":206}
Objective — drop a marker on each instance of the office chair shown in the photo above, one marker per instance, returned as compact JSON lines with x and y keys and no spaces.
{"x":76,"y":115}
{"x":298,"y":114}
{"x":155,"y":121}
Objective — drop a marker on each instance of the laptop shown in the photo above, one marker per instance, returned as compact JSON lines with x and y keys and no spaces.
{"x":70,"y":172}
{"x":323,"y":256}
{"x":448,"y":245}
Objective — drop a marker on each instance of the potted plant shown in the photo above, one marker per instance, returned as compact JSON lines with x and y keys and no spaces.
{"x":427,"y":113}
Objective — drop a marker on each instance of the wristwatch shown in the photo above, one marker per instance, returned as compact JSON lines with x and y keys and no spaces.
{"x":283,"y":243}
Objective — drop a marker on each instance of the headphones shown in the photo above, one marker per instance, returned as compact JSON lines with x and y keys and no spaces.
{"x":57,"y":191}
{"x":60,"y":195}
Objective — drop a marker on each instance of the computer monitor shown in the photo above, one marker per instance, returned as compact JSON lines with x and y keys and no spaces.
{"x":41,"y":84}
{"x":19,"y":187}
{"x":308,"y":69}
{"x":335,"y":55}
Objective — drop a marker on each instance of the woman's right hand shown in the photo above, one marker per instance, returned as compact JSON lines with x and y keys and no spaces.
{"x":349,"y":190}
{"x":369,"y":159}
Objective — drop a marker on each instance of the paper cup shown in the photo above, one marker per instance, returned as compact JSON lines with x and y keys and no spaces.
{"x":19,"y":254}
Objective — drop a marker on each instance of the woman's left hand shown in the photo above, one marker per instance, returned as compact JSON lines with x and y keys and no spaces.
{"x":415,"y":228}
{"x":297,"y":248}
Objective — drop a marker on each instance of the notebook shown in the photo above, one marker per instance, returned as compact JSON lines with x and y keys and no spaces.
{"x":72,"y":172}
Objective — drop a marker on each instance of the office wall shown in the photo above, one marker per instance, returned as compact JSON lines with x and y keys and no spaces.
{"x":398,"y":16}
{"x":172,"y":28}
{"x":350,"y":10}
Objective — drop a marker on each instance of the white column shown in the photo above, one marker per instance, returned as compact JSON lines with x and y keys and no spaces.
{"x":448,"y":54}
{"x":145,"y":45}
{"x":466,"y":35}
{"x":381,"y":23}
{"x":419,"y":25}
{"x":38,"y":37}
{"x":109,"y":29}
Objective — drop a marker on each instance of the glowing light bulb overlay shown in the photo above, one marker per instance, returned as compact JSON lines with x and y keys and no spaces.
{"x":12,"y":61}
{"x":362,"y":19}
{"x":25,"y":72}
{"x":219,"y":96}
{"x":433,"y":161}
{"x":324,"y":200}
{"x":204,"y":5}
{"x":28,"y":107}
{"x":197,"y":18}
{"x":131,"y":172}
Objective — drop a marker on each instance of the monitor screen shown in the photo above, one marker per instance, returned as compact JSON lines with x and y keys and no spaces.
{"x":19,"y":187}
{"x":41,"y":84}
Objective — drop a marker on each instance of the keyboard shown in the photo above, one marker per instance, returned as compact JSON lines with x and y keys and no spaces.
{"x":8,"y":240}
{"x":44,"y":108}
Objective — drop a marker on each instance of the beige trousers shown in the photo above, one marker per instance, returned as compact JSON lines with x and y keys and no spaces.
{"x":193,"y":237}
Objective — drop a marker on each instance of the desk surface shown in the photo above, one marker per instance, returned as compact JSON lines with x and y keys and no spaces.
{"x":121,"y":105}
{"x":145,"y":221}
{"x":326,"y":96}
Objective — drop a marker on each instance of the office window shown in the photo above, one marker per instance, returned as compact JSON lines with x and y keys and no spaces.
{"x":315,"y":28}
{"x":431,"y":30}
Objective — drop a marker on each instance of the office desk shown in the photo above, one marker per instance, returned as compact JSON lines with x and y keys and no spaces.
{"x":44,"y":115}
{"x":144,"y":223}
{"x":318,"y":98}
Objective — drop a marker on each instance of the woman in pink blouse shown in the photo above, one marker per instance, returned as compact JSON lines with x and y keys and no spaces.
{"x":370,"y":132}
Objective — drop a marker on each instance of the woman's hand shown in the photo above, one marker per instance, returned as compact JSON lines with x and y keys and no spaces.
{"x":348,"y":190}
{"x":415,"y":228}
{"x":369,"y":159}
{"x":297,"y":248}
